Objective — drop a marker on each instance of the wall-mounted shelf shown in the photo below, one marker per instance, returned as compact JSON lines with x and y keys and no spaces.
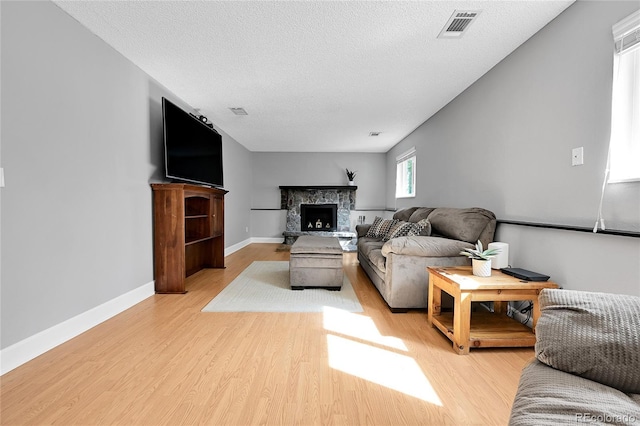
{"x":571,"y":228}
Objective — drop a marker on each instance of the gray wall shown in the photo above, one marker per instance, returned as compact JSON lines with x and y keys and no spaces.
{"x":505,"y":144}
{"x":274,"y":169}
{"x":237,"y":180}
{"x":81,"y":140}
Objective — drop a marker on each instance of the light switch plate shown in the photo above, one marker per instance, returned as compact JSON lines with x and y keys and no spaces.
{"x":577,"y":156}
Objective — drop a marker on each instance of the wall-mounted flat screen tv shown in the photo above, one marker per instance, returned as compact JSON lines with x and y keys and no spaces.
{"x":192,"y":150}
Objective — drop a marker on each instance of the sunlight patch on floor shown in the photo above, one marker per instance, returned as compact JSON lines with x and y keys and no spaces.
{"x":358,"y":326}
{"x":386,"y":368}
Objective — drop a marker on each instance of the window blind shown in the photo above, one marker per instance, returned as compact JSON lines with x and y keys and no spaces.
{"x":626,"y":33}
{"x":405,"y":156}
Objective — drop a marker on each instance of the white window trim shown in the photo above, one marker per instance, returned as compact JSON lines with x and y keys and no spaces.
{"x":406,"y":155}
{"x":411,"y":153}
{"x":626,"y":36}
{"x":625,"y":32}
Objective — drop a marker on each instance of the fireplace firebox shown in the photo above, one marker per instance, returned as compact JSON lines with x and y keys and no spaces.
{"x":318,"y":217}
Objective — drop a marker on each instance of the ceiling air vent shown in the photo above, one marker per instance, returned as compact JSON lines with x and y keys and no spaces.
{"x":239,"y":111}
{"x":458,"y":23}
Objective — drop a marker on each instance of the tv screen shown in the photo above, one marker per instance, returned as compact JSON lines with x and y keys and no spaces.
{"x":192,"y":150}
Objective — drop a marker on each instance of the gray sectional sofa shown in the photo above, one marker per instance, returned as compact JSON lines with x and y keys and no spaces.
{"x":587,"y":365}
{"x":397,"y":265}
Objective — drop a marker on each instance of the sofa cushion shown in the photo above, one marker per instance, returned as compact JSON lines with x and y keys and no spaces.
{"x":366,"y":245}
{"x":404,"y":214}
{"x":551,"y":397}
{"x":592,"y":335}
{"x":425,"y":246}
{"x":401,"y":229}
{"x":421,"y":213}
{"x":376,"y":257}
{"x":460,"y":224}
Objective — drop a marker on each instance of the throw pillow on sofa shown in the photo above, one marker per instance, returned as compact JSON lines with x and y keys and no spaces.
{"x":371,"y":233}
{"x":400,"y":229}
{"x":380,"y":227}
{"x":423,"y":228}
{"x":592,"y":335}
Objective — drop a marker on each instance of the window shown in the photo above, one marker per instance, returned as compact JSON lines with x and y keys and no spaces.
{"x":623,"y":162}
{"x":624,"y":150}
{"x":406,"y":174}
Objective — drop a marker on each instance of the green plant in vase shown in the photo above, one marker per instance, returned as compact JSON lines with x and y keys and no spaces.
{"x":351,"y":175}
{"x":480,"y":259}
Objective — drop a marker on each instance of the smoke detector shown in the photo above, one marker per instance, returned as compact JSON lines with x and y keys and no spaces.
{"x":459,"y":23}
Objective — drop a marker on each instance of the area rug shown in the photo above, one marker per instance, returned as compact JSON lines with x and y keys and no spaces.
{"x":264,"y":287}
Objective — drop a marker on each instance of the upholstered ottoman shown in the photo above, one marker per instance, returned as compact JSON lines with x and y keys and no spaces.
{"x":316,"y":262}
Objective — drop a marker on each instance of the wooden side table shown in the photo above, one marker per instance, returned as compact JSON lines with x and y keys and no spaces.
{"x":481,"y":329}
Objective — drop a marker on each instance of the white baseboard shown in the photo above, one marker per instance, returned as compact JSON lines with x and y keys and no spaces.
{"x":259,"y":240}
{"x":266,"y":240}
{"x":33,"y":346}
{"x":234,"y":248}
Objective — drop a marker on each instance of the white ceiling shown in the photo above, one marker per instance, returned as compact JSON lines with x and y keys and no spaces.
{"x":314,"y":76}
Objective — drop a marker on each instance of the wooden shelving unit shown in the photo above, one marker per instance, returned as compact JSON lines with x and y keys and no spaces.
{"x":467,"y":329}
{"x":188,"y":232}
{"x":488,"y":329}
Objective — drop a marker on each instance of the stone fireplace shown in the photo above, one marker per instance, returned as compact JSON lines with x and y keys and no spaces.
{"x":318,"y":210}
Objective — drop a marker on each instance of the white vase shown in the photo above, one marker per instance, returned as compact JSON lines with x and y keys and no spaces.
{"x":352,"y":183}
{"x":481,"y":268}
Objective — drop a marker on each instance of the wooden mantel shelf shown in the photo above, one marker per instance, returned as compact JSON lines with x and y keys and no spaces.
{"x":317,"y":187}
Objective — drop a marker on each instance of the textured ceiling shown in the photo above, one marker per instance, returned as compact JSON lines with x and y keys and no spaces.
{"x":314,"y":76}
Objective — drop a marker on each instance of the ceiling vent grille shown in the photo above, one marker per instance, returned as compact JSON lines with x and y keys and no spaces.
{"x":239,"y":111}
{"x":459,"y":23}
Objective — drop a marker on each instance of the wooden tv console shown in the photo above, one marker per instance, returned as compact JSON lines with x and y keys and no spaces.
{"x":188,"y":232}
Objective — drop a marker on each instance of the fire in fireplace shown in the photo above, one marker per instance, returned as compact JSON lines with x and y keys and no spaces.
{"x":318,"y":217}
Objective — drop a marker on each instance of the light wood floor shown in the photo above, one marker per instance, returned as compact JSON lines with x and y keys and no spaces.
{"x":165,"y":362}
